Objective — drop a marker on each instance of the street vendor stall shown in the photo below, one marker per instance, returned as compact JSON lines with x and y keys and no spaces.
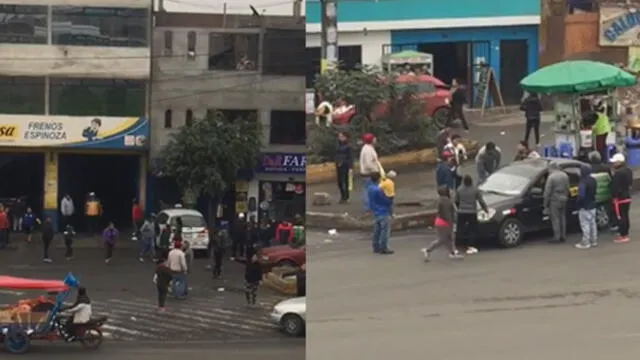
{"x":408,"y":60}
{"x":584,"y":99}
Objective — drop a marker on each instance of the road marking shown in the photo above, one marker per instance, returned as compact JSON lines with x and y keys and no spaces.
{"x":11,"y":292}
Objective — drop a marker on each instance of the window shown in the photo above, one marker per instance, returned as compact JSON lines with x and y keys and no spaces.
{"x":97,"y":97}
{"x":191,"y":45}
{"x":350,"y":57}
{"x":314,"y":56}
{"x":168,"y":42}
{"x":418,"y":87}
{"x":231,"y":115}
{"x":288,"y":128}
{"x":188,"y":117}
{"x":22,"y":95}
{"x":92,"y":26}
{"x":284,"y":52}
{"x":189,"y":221}
{"x":168,"y":119}
{"x":23,"y":24}
{"x":233,"y":51}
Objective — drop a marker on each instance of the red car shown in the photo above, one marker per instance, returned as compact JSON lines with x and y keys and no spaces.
{"x":432,"y":91}
{"x":282,"y":255}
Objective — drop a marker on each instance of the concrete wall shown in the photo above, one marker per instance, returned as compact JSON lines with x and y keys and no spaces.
{"x":180,"y":84}
{"x":74,"y":61}
{"x":101,"y":3}
{"x":371,"y":42}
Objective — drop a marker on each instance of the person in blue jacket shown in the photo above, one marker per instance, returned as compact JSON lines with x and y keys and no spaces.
{"x":587,"y":208}
{"x":444,"y":173}
{"x":380,"y":206}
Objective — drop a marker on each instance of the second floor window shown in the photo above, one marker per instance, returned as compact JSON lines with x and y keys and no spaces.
{"x":191,"y":45}
{"x":97,"y":97}
{"x":284,"y":52}
{"x":92,"y":26}
{"x":22,"y":95}
{"x":233,"y":51}
{"x":18,"y":24}
{"x":188,"y":117}
{"x":168,"y":42}
{"x":168,"y":119}
{"x":288,"y":128}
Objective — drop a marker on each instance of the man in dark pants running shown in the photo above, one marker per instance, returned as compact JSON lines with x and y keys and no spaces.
{"x":532,"y":109}
{"x":458,"y":99}
{"x":621,"y":195}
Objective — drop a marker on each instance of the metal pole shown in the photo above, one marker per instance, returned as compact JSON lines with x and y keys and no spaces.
{"x":329,"y":34}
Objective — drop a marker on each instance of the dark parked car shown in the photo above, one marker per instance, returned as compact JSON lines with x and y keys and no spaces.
{"x":514,"y":195}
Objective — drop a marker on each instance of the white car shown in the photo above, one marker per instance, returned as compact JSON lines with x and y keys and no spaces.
{"x":194,"y":227}
{"x":290,"y":315}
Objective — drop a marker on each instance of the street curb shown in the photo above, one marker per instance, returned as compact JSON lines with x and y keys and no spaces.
{"x":415,"y":220}
{"x":326,"y":172}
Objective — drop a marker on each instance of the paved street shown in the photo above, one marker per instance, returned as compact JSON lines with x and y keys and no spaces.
{"x":415,"y":186}
{"x":123,"y":290}
{"x":293,"y":349}
{"x":539,"y":301}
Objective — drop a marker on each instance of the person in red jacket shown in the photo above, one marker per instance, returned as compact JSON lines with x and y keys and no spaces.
{"x":284,"y":233}
{"x":137,"y":218}
{"x":4,"y":227}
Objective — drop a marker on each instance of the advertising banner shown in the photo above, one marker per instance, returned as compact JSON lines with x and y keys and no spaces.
{"x":282,"y":163}
{"x":74,"y":132}
{"x":619,"y":26}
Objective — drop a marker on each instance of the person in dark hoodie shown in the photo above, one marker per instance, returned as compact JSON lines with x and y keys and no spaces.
{"x":47,"y":239}
{"x":621,"y":194}
{"x":445,"y":220}
{"x":532,"y":108}
{"x":344,"y":164}
{"x":458,"y":99}
{"x":252,"y":276}
{"x":445,"y":171}
{"x":467,"y":199}
{"x":587,"y":208}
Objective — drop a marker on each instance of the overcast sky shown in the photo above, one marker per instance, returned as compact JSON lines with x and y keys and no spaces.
{"x":266,"y":7}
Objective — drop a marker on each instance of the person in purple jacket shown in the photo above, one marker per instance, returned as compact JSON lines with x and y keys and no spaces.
{"x":109,"y":236}
{"x":380,"y":206}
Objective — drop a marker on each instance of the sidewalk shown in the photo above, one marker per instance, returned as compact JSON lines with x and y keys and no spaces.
{"x":415,"y":187}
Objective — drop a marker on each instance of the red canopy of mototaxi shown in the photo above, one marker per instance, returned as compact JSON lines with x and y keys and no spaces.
{"x":16,"y":283}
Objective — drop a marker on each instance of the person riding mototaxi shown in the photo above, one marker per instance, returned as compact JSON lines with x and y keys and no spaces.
{"x":80,"y":311}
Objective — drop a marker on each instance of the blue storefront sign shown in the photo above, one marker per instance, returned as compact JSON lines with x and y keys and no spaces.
{"x":398,"y":10}
{"x":282,"y":163}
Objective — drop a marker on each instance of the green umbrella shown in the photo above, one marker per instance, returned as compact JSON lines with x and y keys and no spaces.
{"x":570,"y":77}
{"x":407,"y":57}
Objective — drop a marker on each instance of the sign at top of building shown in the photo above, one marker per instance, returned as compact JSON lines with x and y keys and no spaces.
{"x":619,"y":26}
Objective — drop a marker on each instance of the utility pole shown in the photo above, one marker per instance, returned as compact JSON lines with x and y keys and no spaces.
{"x":329,"y":34}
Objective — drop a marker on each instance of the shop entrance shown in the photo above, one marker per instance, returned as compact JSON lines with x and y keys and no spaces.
{"x":450,"y":60}
{"x":114,"y":179}
{"x":513,"y":68}
{"x":281,"y":200}
{"x":22,"y":176}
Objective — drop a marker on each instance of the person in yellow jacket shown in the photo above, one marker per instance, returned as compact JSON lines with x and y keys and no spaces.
{"x":601,"y":130}
{"x":92,"y":211}
{"x":388,"y":186}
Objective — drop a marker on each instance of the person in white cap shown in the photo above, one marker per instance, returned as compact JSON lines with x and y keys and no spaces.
{"x":621,"y":183}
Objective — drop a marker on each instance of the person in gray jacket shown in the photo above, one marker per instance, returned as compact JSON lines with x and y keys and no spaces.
{"x":467,"y":199}
{"x":556,"y":195}
{"x":488,"y":160}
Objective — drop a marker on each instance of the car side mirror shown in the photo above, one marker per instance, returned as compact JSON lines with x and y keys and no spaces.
{"x":535,"y":192}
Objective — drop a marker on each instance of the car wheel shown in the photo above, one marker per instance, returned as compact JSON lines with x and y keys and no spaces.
{"x":286,"y":263}
{"x":602,"y":217}
{"x":441,"y":117}
{"x":511,"y":233}
{"x":292,"y":324}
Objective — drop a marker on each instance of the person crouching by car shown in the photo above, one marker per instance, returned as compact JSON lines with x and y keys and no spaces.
{"x":621,"y":183}
{"x":586,"y":202}
{"x":467,"y":199}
